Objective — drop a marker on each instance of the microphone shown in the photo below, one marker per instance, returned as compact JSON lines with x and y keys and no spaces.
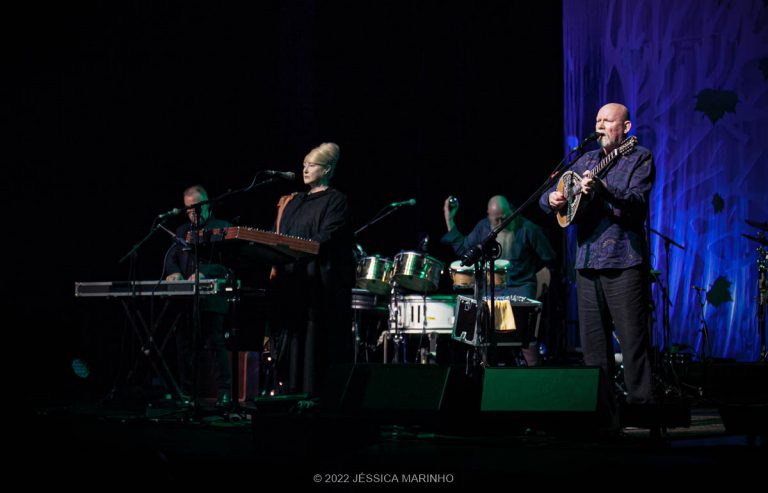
{"x":285,"y":175}
{"x":697,"y":288}
{"x":404,"y":202}
{"x":592,"y":137}
{"x":173,"y":212}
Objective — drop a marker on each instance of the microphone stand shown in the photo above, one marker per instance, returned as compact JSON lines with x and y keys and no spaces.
{"x":178,"y":240}
{"x":196,"y":229}
{"x":196,"y":296}
{"x":150,"y":349}
{"x":476,"y":251}
{"x":489,"y":248}
{"x":762,"y":299}
{"x":197,"y":324}
{"x":378,"y":217}
{"x":234,"y":408}
{"x":214,"y":201}
{"x":704,"y":351}
{"x":229,"y":193}
{"x":155,"y":226}
{"x":486,"y":324}
{"x":665,"y":289}
{"x":393,"y":323}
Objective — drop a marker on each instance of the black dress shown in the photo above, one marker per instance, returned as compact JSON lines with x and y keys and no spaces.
{"x":312,"y":316}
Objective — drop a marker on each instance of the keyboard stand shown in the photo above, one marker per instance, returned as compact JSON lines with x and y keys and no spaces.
{"x":149,"y":349}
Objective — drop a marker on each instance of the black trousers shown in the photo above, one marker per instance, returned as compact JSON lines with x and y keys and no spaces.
{"x":616,"y":299}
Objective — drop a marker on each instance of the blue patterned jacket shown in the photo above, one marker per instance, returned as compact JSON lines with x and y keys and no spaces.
{"x":610,"y":230}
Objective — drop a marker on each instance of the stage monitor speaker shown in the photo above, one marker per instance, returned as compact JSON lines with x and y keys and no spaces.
{"x":537,"y":390}
{"x":402,"y":390}
{"x":418,"y":388}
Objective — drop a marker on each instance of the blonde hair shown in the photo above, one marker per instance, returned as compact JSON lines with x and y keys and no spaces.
{"x":326,"y":154}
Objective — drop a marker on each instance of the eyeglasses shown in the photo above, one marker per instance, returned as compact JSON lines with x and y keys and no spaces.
{"x":307,"y":165}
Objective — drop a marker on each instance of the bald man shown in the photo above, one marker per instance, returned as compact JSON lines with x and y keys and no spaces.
{"x":612,"y":256}
{"x":522,"y":243}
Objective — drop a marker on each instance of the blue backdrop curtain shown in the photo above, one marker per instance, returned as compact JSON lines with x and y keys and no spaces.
{"x":695,"y":76}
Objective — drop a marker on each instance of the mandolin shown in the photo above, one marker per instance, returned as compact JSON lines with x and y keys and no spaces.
{"x":570,"y":184}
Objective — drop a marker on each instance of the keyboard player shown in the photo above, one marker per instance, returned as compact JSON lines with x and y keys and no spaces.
{"x":180,"y":264}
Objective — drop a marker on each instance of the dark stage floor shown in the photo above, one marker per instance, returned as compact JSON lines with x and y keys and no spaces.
{"x":286,"y":443}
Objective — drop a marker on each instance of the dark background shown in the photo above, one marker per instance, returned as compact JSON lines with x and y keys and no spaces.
{"x":117,"y":108}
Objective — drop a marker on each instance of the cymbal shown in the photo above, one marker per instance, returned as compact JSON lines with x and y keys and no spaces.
{"x":759,"y":225}
{"x":762,"y":241}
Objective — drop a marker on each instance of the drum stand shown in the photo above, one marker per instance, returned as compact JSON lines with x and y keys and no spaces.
{"x":426,"y":355}
{"x":394,"y":326}
{"x":356,"y":335}
{"x":396,"y":333}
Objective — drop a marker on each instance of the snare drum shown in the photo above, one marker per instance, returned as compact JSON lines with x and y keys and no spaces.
{"x":438,"y":311}
{"x":464,"y":276}
{"x":417,"y":271}
{"x":374,"y":274}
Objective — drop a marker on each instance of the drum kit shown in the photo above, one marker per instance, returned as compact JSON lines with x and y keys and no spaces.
{"x":382,"y":284}
{"x":402,"y":288}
